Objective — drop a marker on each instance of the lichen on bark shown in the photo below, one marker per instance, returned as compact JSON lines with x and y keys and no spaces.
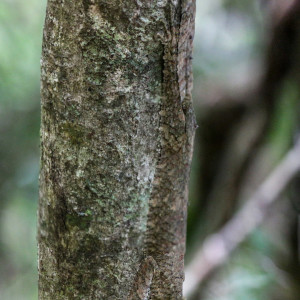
{"x":116,"y":141}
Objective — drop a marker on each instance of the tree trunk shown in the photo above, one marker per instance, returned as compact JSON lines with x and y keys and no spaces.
{"x":116,"y":140}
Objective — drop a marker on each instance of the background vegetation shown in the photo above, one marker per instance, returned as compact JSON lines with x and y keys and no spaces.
{"x":231,"y":53}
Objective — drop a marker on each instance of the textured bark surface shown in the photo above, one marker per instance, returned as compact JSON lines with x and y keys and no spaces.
{"x":116,"y":140}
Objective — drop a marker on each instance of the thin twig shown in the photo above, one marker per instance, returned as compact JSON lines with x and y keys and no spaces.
{"x":217,"y":247}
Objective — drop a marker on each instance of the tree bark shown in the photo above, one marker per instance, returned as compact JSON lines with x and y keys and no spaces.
{"x":116,"y":143}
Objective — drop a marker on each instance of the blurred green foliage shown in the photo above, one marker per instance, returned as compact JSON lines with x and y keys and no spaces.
{"x":230,"y":42}
{"x":20,"y":36}
{"x":20,"y":40}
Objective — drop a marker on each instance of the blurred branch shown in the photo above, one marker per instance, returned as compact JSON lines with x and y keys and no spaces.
{"x":281,"y":53}
{"x":217,"y":247}
{"x":233,"y":127}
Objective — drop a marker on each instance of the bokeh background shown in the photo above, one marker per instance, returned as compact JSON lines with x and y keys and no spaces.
{"x":246,"y":99}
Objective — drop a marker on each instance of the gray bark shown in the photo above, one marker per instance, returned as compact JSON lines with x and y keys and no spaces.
{"x":116,"y":142}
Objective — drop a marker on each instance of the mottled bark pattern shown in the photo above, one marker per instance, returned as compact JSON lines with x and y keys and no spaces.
{"x":116,"y":140}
